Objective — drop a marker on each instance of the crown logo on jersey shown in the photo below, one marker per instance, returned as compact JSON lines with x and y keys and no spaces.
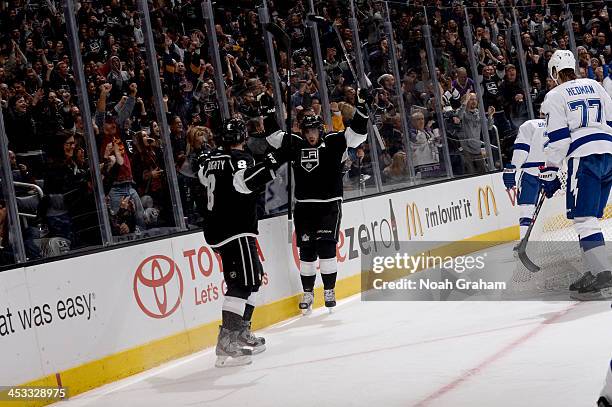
{"x":310,"y":159}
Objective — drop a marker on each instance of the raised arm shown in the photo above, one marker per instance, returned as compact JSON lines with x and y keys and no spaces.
{"x":357,"y":132}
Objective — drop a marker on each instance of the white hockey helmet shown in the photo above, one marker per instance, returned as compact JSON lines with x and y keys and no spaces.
{"x":560,"y":60}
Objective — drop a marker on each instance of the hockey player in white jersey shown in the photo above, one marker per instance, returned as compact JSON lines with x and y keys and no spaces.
{"x":528,"y":157}
{"x":607,"y":81}
{"x":578,"y":126}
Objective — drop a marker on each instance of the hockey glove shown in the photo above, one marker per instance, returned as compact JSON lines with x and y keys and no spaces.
{"x":549,"y":180}
{"x":364,"y":99}
{"x":272,"y":161}
{"x":201,"y":159}
{"x":510,"y":176}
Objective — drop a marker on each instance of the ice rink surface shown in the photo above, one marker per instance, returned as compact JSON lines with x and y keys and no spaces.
{"x":397,"y":353}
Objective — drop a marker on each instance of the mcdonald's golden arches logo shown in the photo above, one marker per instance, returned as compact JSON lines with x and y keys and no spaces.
{"x":484,"y":193}
{"x":412,"y":216}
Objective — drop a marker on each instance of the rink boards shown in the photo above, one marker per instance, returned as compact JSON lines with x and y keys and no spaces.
{"x":90,"y":320}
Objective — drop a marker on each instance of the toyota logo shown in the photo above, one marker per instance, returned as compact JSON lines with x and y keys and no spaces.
{"x":158,"y":286}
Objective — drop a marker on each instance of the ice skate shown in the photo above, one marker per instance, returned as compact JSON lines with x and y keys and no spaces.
{"x":603,"y":402}
{"x":599,"y":289}
{"x":584,"y":281}
{"x":230,"y":351}
{"x":246,"y":338}
{"x":306,"y":303}
{"x":330,"y":299}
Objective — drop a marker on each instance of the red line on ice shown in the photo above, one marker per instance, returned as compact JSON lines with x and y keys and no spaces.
{"x":493,"y":358}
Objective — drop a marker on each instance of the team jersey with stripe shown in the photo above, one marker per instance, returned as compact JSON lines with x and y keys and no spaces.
{"x":318,"y":169}
{"x":231,"y":209}
{"x":529,"y":146}
{"x":578,"y":121}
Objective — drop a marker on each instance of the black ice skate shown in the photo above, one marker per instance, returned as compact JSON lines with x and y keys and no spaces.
{"x":230,"y":351}
{"x":603,"y":402}
{"x":330,"y":298}
{"x":584,"y":281}
{"x":306,"y":303}
{"x":599,"y":289}
{"x":257,"y":344}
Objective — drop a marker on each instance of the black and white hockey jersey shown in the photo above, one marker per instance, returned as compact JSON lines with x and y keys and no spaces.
{"x":318,"y":169}
{"x":231,"y":180}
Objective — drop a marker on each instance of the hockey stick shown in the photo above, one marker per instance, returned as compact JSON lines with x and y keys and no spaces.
{"x":522,"y":246}
{"x":285,"y":41}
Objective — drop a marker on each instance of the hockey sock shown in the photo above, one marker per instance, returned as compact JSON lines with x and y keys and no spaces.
{"x":308,"y":282}
{"x":308,"y":274}
{"x":232,"y":312}
{"x":596,"y":257}
{"x":329,"y":272}
{"x":329,"y":280}
{"x":525,"y":219}
{"x":524,"y":224}
{"x":250,"y":305}
{"x":231,"y":320}
{"x":248,"y":312}
{"x":592,"y":244}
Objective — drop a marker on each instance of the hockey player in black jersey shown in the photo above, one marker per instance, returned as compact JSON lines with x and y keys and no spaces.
{"x":317,"y":164}
{"x":232,"y":179}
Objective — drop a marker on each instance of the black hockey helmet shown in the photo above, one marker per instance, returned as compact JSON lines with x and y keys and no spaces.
{"x":311,"y":122}
{"x":233,"y":131}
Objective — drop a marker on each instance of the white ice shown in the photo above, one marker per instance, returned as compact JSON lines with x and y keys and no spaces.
{"x":398,"y":353}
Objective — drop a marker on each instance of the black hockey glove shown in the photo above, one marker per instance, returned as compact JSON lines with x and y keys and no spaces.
{"x":201,"y":159}
{"x":364,"y":99}
{"x":273,"y":160}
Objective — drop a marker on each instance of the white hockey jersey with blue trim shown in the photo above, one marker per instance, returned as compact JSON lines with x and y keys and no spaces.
{"x":529,"y":146}
{"x":578,"y":121}
{"x":607,"y":84}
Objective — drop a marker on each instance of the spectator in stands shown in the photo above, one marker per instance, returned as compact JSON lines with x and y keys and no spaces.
{"x":38,"y":98}
{"x":6,"y":251}
{"x":118,"y":172}
{"x":471,"y":144}
{"x":514,"y":97}
{"x":20,"y":125}
{"x":178,"y":139}
{"x":424,"y":146}
{"x":397,"y":171}
{"x":463,"y":84}
{"x":20,"y":171}
{"x":148,"y":169}
{"x":66,"y":190}
{"x":337,"y":122}
{"x":455,"y":136}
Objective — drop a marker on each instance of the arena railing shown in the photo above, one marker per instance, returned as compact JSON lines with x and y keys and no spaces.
{"x":16,"y":238}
